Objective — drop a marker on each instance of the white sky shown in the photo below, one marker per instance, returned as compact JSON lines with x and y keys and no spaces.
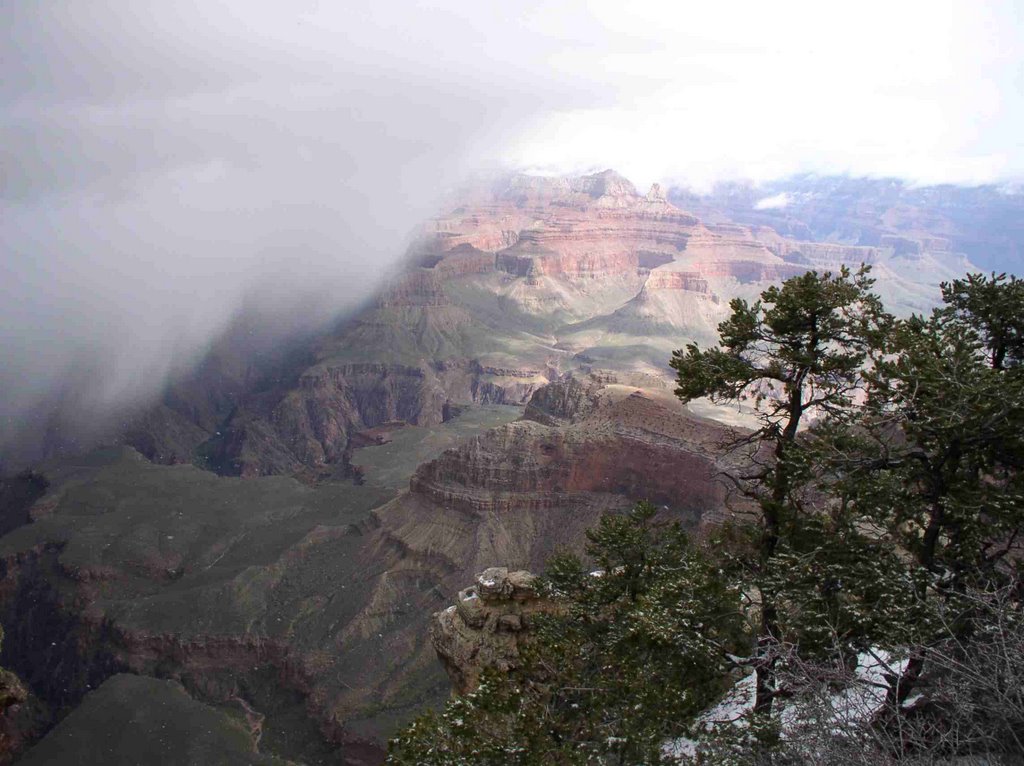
{"x":929,"y":91}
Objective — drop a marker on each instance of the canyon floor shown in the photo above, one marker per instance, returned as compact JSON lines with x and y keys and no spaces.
{"x":250,"y":565}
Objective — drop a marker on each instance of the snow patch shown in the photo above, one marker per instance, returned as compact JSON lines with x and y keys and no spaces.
{"x":857,"y":703}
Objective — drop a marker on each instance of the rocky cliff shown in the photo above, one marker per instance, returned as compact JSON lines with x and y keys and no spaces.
{"x":487,"y":625}
{"x":23,"y":717}
{"x":310,"y":604}
{"x":982,"y":223}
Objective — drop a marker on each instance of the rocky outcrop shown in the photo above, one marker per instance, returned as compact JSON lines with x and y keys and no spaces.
{"x":524,"y":263}
{"x":563,"y":401}
{"x":819,"y":255}
{"x":607,"y":189}
{"x":23,"y":717}
{"x":309,"y":429}
{"x":487,"y":625}
{"x":164,"y":435}
{"x":330,"y":403}
{"x":591,"y":442}
{"x":414,"y":357}
{"x":418,"y":287}
{"x":657,"y":195}
{"x":913,"y":247}
{"x":316,"y":420}
{"x":466,"y":260}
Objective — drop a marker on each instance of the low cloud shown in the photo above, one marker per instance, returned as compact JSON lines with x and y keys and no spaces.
{"x":775,"y":202}
{"x":167,"y":164}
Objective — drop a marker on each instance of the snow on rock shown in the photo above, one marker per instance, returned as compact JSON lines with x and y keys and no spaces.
{"x":857,"y":703}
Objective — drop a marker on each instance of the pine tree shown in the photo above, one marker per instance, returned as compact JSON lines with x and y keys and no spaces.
{"x":940,"y":469}
{"x":991,"y":306}
{"x":798,"y":354}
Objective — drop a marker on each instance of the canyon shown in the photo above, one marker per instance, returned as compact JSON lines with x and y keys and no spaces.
{"x":268,"y":543}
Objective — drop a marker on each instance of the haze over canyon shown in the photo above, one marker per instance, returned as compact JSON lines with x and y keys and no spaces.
{"x":310,"y":316}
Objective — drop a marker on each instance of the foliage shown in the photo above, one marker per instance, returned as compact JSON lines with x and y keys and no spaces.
{"x":990,"y":305}
{"x":948,"y":414}
{"x":928,"y":468}
{"x":799,"y":353}
{"x":636,"y":649}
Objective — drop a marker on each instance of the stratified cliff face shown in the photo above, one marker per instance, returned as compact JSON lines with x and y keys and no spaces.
{"x":519,"y":492}
{"x":983,"y":223}
{"x":310,"y":605}
{"x":530,"y":467}
{"x":414,"y":357}
{"x":600,"y":225}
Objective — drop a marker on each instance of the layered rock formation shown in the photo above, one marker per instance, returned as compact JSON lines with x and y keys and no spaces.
{"x":314,"y":600}
{"x":518,"y":493}
{"x":307,"y":601}
{"x":486,"y":626}
{"x":983,"y":222}
{"x":526,"y":279}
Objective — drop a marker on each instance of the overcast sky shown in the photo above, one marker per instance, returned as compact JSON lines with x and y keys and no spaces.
{"x":161,"y":161}
{"x":929,"y":91}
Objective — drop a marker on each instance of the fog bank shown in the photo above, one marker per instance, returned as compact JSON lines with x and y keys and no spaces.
{"x":164,"y":163}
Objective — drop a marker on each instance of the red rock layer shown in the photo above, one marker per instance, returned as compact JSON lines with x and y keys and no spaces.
{"x":596,"y":225}
{"x":641,"y":446}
